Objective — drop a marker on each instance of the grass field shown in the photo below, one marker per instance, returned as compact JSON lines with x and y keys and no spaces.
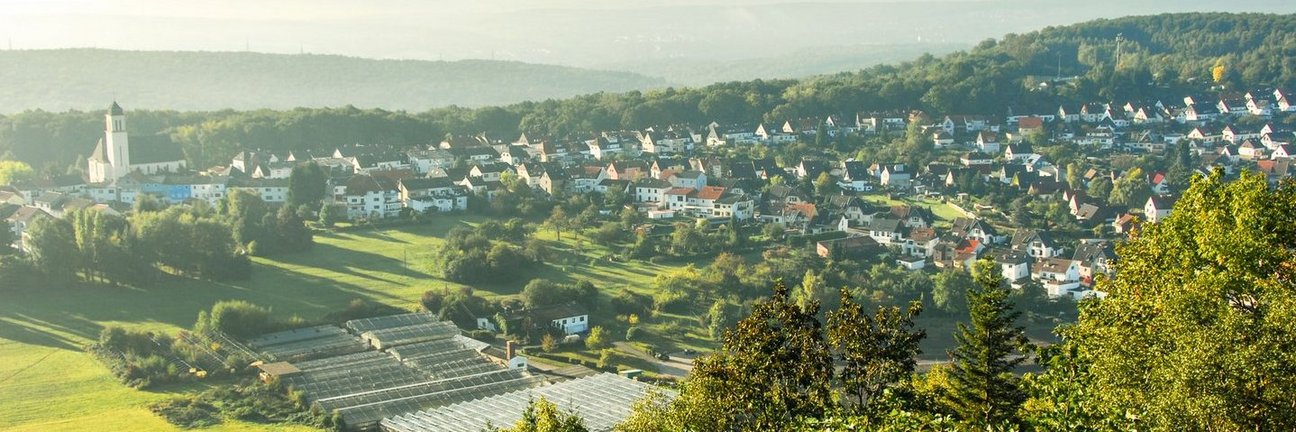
{"x":48,"y":383}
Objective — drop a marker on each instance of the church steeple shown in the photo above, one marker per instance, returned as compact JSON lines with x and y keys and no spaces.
{"x":117,"y":142}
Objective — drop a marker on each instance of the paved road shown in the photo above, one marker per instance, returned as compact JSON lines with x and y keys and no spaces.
{"x":677,"y":366}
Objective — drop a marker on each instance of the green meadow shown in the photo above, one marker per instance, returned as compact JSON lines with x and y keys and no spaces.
{"x":48,"y":383}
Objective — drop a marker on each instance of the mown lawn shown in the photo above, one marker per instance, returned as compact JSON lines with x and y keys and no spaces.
{"x":48,"y":383}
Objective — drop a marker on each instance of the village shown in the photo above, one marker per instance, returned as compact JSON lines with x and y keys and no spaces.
{"x":929,"y":216}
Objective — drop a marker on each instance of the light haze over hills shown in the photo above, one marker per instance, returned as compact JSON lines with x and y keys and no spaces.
{"x":664,"y":42}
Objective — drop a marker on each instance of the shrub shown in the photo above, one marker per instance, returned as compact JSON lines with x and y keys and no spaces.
{"x":241,"y":319}
{"x":187,"y":413}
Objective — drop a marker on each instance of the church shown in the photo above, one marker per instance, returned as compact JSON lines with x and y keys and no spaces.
{"x":119,"y":154}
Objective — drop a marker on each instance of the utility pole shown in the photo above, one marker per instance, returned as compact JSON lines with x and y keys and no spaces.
{"x":1119,"y":38}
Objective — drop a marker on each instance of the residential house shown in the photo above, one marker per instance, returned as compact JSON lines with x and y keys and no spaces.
{"x":1035,"y":243}
{"x":432,"y":194}
{"x":19,"y":220}
{"x":894,"y":175}
{"x":1060,"y":277}
{"x":846,"y":248}
{"x":1158,"y":208}
{"x":695,"y":180}
{"x":1014,"y":266}
{"x":969,"y":228}
{"x":912,"y":216}
{"x":371,"y":197}
{"x":1094,"y":257}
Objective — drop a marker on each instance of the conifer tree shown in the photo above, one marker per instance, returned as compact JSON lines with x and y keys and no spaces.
{"x":983,"y":390}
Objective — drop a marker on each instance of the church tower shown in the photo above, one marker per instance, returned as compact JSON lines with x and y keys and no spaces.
{"x":116,"y":142}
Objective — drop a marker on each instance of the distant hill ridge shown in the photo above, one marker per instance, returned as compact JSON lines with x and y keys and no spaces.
{"x":186,"y":80}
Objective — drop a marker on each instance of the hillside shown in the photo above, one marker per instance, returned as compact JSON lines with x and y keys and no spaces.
{"x":1162,"y":56}
{"x":84,"y":78}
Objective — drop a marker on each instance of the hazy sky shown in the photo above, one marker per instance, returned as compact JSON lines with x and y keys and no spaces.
{"x":584,"y":33}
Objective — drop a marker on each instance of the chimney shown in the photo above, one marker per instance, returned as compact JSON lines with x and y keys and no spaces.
{"x":509,"y":350}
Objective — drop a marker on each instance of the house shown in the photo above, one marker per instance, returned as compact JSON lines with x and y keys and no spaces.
{"x":849,"y":247}
{"x":569,"y":318}
{"x":1125,"y":224}
{"x":1276,"y":169}
{"x":1158,"y":208}
{"x":969,"y":228}
{"x":912,"y":216}
{"x":19,"y":220}
{"x":1251,"y":150}
{"x":1201,"y":113}
{"x":1014,"y":266}
{"x":1034,"y":243}
{"x":921,"y":242}
{"x":555,"y":181}
{"x":1159,"y":183}
{"x":810,"y":168}
{"x":855,"y":177}
{"x":1020,"y":153}
{"x":489,"y":171}
{"x":942,"y":138}
{"x":269,"y":190}
{"x":1029,"y":125}
{"x":894,"y":175}
{"x":738,"y":206}
{"x":432,"y":194}
{"x":850,"y":207}
{"x":695,"y":180}
{"x":651,"y":190}
{"x":1060,"y":277}
{"x":627,"y":170}
{"x":666,"y":142}
{"x":886,"y":231}
{"x":987,"y":142}
{"x":1094,"y":257}
{"x":973,"y":158}
{"x":368,"y":196}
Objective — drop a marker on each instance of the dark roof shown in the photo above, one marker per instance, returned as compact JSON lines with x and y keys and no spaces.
{"x":545,"y":314}
{"x":884,"y":224}
{"x":425,"y":183}
{"x":1091,"y":251}
{"x":115,"y":109}
{"x":962,"y":226}
{"x":1025,"y":235}
{"x":148,"y":149}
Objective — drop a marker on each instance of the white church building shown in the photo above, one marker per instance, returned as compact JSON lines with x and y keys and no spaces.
{"x":116,"y":155}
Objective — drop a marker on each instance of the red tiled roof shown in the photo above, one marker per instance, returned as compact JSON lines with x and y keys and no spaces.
{"x":710,"y":192}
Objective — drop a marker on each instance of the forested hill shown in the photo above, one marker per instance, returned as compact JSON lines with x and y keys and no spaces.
{"x":1162,"y":56}
{"x":84,"y":78}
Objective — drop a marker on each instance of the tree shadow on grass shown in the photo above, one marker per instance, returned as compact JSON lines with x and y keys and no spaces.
{"x":66,"y":317}
{"x":15,"y":330}
{"x":333,"y":258}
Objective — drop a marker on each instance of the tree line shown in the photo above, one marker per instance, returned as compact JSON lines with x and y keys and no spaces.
{"x":1163,"y":56}
{"x":191,"y":240}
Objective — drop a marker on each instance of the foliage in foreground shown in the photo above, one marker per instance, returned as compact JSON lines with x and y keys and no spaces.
{"x":1197,"y":333}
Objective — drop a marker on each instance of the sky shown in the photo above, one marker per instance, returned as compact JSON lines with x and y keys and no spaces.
{"x":569,"y":32}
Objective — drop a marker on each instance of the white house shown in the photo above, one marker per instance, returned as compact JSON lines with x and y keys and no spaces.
{"x":1157,"y":208}
{"x":569,"y":318}
{"x":1058,"y":276}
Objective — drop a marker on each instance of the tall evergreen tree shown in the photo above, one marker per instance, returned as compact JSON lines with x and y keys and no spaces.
{"x":983,"y":390}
